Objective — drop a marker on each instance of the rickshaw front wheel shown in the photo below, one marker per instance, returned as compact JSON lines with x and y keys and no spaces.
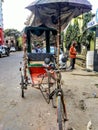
{"x":22,"y":93}
{"x":22,"y":87}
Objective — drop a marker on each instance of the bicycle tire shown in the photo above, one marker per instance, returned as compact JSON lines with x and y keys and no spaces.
{"x":22,"y":87}
{"x":60,"y":114}
{"x":22,"y":93}
{"x":45,"y":93}
{"x":54,"y":101}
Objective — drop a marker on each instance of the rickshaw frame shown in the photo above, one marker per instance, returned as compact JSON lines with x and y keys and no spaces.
{"x":37,"y":71}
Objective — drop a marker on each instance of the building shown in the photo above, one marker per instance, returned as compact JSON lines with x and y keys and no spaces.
{"x":1,"y":24}
{"x":93,"y":26}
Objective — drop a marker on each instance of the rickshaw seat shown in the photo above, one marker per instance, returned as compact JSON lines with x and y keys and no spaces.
{"x":37,"y":72}
{"x":39,"y":56}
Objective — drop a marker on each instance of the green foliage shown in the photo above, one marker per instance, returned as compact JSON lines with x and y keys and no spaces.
{"x":86,"y":18}
{"x":19,"y":39}
{"x":68,"y":37}
{"x":11,"y":32}
{"x":87,"y":35}
{"x":73,"y":32}
{"x":16,"y":34}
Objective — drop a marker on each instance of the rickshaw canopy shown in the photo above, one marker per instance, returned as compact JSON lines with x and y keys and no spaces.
{"x":49,"y":12}
{"x":38,"y":31}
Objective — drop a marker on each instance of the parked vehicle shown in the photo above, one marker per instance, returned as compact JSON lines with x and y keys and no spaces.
{"x":4,"y":51}
{"x":12,"y":49}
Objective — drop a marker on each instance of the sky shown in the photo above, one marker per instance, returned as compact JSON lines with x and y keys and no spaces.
{"x":15,"y":13}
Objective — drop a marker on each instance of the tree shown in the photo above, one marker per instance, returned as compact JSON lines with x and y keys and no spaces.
{"x":11,"y":32}
{"x":87,"y":35}
{"x":68,"y":37}
{"x":73,"y":32}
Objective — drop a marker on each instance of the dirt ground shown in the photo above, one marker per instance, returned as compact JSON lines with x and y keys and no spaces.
{"x":81,"y":95}
{"x":33,"y":113}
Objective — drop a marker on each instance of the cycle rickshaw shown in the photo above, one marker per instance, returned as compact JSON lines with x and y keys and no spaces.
{"x":57,"y":14}
{"x":40,"y":71}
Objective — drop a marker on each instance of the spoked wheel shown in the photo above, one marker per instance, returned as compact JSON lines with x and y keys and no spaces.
{"x":45,"y":88}
{"x":54,"y":101}
{"x":61,"y":119}
{"x":54,"y":96}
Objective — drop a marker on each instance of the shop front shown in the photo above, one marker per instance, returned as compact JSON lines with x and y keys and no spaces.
{"x":93,"y":26}
{"x":1,"y":36}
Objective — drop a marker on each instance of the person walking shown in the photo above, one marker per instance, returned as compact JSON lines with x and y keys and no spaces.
{"x":72,"y":55}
